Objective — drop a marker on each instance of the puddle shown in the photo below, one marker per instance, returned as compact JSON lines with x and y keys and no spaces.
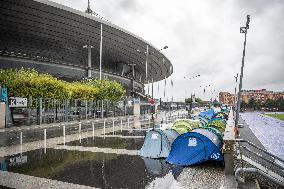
{"x":99,"y":170}
{"x":109,"y":142}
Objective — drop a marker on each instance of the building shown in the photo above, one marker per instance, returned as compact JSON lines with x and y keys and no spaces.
{"x":70,"y":44}
{"x":226,"y":98}
{"x":261,"y":95}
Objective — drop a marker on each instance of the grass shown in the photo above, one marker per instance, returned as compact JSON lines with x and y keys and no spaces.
{"x":277,"y":116}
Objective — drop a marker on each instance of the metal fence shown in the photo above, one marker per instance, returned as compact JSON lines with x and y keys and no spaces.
{"x":47,"y":111}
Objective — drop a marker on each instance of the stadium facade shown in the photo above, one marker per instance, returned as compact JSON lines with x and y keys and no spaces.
{"x":70,"y":44}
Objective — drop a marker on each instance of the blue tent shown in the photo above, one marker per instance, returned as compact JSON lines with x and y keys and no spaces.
{"x":193,"y":148}
{"x":157,"y":143}
{"x":207,"y":114}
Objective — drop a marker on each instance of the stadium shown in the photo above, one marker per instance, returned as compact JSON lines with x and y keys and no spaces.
{"x":71,"y":45}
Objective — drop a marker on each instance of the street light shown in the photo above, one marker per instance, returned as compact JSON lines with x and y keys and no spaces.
{"x":242,"y":30}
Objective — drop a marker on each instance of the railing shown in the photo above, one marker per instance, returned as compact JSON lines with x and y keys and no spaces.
{"x":263,"y":162}
{"x":48,"y":111}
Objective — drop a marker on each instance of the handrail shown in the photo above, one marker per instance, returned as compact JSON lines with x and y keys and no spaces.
{"x":261,"y":149}
{"x":260,"y":156}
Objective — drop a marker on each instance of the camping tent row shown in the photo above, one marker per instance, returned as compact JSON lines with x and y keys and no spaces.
{"x":188,"y":142}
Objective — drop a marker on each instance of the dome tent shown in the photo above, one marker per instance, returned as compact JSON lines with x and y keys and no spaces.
{"x":193,"y":148}
{"x":209,"y":134}
{"x":209,"y":114}
{"x":157,"y":143}
{"x":203,"y":121}
{"x":185,"y":125}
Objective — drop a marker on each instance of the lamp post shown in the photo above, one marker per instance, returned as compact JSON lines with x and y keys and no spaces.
{"x":242,"y":30}
{"x":235,"y":96}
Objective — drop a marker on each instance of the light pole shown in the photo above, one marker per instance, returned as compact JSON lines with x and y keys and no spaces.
{"x":242,"y":30}
{"x":235,"y":97}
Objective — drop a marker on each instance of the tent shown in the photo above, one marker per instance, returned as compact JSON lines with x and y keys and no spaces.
{"x":217,"y":124}
{"x":215,"y":131}
{"x":209,"y":134}
{"x":157,"y":143}
{"x":203,"y":121}
{"x":217,"y":118}
{"x":193,"y":148}
{"x":207,"y":114}
{"x":185,"y":125}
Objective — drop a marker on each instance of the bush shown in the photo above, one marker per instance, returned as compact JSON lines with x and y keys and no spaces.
{"x":28,"y":82}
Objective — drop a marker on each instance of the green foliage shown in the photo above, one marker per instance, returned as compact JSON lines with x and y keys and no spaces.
{"x":110,"y":90}
{"x":25,"y":83}
{"x":28,"y":82}
{"x":79,"y":90}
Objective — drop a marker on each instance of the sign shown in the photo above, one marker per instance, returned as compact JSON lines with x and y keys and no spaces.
{"x":136,"y":100}
{"x":152,"y":101}
{"x":192,"y":142}
{"x":17,"y":102}
{"x":4,"y":94}
{"x":154,"y":136}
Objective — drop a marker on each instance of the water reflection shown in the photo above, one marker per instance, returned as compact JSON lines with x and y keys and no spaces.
{"x":94,"y":169}
{"x":109,"y":142}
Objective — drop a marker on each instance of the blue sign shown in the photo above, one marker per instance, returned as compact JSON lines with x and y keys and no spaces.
{"x":4,"y":94}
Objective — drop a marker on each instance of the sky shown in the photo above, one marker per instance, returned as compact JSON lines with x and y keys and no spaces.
{"x":203,"y":38}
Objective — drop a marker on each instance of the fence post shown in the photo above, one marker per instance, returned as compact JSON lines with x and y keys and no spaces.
{"x":39,"y":112}
{"x":29,"y":110}
{"x":80,"y":127}
{"x":86,"y":109}
{"x":21,"y":138}
{"x":44,"y":140}
{"x":113,"y":127}
{"x":93,"y":127}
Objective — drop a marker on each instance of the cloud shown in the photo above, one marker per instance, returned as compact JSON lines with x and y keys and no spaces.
{"x":203,"y":38}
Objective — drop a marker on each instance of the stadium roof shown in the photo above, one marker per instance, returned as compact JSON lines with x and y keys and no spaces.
{"x":51,"y":30}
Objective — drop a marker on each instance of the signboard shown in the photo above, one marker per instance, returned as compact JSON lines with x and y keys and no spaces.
{"x":152,"y":101}
{"x":4,"y":94}
{"x":136,"y":100}
{"x":17,"y":102}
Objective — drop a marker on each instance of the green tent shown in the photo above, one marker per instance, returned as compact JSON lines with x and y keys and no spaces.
{"x":218,"y":124}
{"x":185,"y":125}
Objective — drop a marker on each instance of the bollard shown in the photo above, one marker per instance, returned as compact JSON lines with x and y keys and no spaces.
{"x":149,"y":122}
{"x":121,"y":125}
{"x":45,"y":141}
{"x":80,"y":126}
{"x":63,"y":130}
{"x":112,"y":127}
{"x":21,"y":138}
{"x":104,"y":127}
{"x":128,"y":123}
{"x":93,"y":128}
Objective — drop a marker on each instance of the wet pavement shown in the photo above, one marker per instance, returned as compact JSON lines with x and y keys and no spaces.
{"x":129,"y":133}
{"x":100,"y":170}
{"x":89,"y":159}
{"x":109,"y":142}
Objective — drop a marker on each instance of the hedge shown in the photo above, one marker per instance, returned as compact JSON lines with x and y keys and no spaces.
{"x":28,"y":82}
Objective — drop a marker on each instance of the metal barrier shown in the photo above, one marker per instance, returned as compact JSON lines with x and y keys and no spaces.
{"x":263,"y":162}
